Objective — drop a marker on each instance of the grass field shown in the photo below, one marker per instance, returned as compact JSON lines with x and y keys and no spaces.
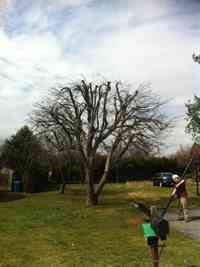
{"x":54,"y":230}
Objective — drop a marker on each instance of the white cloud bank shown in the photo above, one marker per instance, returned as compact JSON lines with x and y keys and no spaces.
{"x":129,"y":40}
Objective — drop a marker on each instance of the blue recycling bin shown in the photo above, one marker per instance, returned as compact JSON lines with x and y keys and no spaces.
{"x":16,"y":184}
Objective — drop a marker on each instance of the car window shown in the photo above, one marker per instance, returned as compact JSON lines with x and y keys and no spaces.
{"x":161,"y":174}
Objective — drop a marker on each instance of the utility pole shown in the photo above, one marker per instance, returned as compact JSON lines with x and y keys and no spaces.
{"x":196,"y":167}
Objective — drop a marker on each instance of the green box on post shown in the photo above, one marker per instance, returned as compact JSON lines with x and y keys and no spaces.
{"x":149,"y":234}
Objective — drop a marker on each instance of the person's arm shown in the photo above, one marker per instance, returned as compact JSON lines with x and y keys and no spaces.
{"x":178,"y":184}
{"x":173,"y":191}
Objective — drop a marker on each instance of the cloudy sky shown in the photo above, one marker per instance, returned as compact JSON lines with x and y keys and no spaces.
{"x":44,"y":42}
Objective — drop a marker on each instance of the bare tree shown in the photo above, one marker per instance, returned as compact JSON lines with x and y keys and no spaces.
{"x":61,"y":147}
{"x":105,"y":117}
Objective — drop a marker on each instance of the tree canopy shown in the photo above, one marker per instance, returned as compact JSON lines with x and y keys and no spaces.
{"x":193,"y":119}
{"x":24,"y":154}
{"x":105,"y":117}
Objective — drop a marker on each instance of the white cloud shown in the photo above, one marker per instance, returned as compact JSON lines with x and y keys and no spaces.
{"x":69,"y":3}
{"x":29,"y":66}
{"x":134,"y":41}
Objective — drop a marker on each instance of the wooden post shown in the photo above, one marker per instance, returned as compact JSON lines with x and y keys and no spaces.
{"x":197,"y":177}
{"x":152,"y":241}
{"x":155,"y":255}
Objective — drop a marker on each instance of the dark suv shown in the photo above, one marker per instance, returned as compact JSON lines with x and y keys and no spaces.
{"x":163,"y":179}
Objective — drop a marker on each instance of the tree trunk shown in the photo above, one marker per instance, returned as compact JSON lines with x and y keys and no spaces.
{"x":25,"y":182}
{"x":91,"y":197}
{"x":62,"y":189}
{"x":105,"y":175}
{"x":92,"y":192}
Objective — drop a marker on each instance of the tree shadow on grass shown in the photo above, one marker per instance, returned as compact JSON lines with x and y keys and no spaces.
{"x":6,"y":196}
{"x":195,"y":218}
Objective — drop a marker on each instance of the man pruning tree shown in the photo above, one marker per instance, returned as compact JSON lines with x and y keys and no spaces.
{"x":180,"y":192}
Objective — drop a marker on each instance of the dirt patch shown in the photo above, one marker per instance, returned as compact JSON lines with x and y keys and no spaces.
{"x":6,"y":196}
{"x":135,"y":221}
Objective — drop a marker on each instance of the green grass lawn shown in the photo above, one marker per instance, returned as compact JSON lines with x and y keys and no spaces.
{"x":54,"y":230}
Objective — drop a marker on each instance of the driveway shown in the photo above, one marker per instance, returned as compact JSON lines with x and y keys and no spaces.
{"x":191,"y":228}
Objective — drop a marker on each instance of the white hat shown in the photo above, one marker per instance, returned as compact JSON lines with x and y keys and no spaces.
{"x":176,"y":178}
